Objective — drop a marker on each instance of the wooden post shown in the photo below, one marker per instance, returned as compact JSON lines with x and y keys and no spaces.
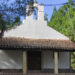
{"x":24,"y":62}
{"x":56,"y":62}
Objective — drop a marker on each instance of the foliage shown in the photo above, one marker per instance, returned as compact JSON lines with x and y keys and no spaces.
{"x":73,"y":60}
{"x":7,"y":11}
{"x":69,"y":0}
{"x":10,"y":12}
{"x":63,"y":20}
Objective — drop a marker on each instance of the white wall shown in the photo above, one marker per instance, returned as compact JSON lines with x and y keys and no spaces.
{"x":10,"y":59}
{"x":41,"y":12}
{"x":48,"y":60}
{"x":35,"y":29}
{"x":13,"y":60}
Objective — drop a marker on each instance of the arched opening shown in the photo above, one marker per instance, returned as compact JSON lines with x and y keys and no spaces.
{"x":35,"y":13}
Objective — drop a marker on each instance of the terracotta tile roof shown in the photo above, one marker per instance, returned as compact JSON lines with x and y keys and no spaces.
{"x":37,"y":43}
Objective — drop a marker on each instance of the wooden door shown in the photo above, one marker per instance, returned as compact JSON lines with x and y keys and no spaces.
{"x":34,"y":60}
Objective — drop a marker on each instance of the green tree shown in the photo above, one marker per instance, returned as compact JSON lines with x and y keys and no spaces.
{"x":64,"y":21}
{"x":69,"y":0}
{"x":2,"y":26}
{"x":7,"y":17}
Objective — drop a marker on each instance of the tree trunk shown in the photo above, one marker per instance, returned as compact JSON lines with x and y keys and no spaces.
{"x":1,"y":33}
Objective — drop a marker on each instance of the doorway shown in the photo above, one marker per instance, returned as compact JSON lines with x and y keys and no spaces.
{"x":34,"y":60}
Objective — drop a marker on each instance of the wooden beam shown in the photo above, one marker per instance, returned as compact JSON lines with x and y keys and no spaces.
{"x":56,"y":62}
{"x":24,"y":62}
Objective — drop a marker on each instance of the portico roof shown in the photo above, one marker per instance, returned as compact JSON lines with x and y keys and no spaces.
{"x":18,"y":43}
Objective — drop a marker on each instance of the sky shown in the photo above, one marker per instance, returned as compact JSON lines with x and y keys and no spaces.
{"x":49,"y":10}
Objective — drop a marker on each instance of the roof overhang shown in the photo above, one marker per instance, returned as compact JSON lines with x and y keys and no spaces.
{"x":34,"y":44}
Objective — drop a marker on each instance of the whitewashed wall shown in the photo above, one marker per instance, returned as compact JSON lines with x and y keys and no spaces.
{"x":10,"y":59}
{"x":13,"y":60}
{"x":48,"y":60}
{"x":35,"y":29}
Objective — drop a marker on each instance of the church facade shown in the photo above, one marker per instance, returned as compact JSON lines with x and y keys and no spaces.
{"x":35,"y":46}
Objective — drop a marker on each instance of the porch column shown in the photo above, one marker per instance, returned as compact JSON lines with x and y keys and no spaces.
{"x":24,"y":62}
{"x":56,"y":62}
